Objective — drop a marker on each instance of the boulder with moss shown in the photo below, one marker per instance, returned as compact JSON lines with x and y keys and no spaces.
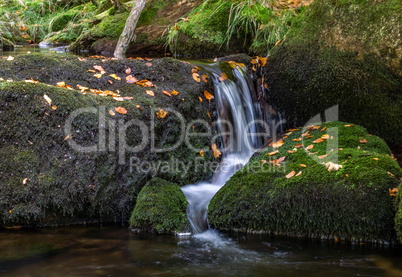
{"x":161,"y":208}
{"x":85,"y":156}
{"x":331,"y":180}
{"x":346,"y":53}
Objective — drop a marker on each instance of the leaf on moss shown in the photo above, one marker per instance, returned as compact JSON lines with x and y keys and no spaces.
{"x":114,"y":76}
{"x":196,"y":77}
{"x":131,"y":80}
{"x":175,"y":92}
{"x":208,"y":96}
{"x":290,"y":175}
{"x":121,"y":110}
{"x":273,"y":153}
{"x":161,"y":113}
{"x":150,"y":93}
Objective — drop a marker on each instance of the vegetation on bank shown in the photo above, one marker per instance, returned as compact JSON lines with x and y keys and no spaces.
{"x":161,"y":208}
{"x":330,"y":180}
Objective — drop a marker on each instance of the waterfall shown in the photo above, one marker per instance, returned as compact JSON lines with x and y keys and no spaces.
{"x":239,"y":116}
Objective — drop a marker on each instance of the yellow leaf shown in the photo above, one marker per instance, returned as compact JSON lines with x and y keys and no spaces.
{"x":150,"y":93}
{"x":161,"y":113}
{"x":67,"y":137}
{"x":202,"y":153}
{"x":145,"y":83}
{"x":290,"y":175}
{"x":208,"y":96}
{"x":175,"y":92}
{"x":115,"y":76}
{"x":199,"y":98}
{"x":100,"y":68}
{"x":61,"y":84}
{"x":376,"y":159}
{"x":121,"y":110}
{"x":273,"y":153}
{"x":91,"y":70}
{"x":326,"y":136}
{"x":217,"y":153}
{"x":98,"y":75}
{"x":47,"y":98}
{"x":196,"y":77}
{"x":118,"y":98}
{"x":303,"y":165}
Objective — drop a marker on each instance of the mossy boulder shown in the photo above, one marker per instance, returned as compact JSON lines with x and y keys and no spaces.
{"x":345,"y":53}
{"x":299,"y":196}
{"x":161,"y":208}
{"x":47,"y":174}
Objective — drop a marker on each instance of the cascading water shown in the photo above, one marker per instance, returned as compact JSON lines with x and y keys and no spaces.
{"x":239,"y":117}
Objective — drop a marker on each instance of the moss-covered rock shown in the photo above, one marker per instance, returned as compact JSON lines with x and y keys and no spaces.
{"x":47,"y":179}
{"x":344,"y":53}
{"x":352,"y":203}
{"x":161,"y":207}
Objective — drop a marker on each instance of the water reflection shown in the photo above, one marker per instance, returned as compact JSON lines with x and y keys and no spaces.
{"x":114,"y":251}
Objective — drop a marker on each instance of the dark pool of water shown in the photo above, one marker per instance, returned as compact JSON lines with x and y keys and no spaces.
{"x":115,"y":251}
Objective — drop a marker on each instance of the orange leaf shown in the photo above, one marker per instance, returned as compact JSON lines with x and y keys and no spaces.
{"x":297,"y":139}
{"x":208,"y":114}
{"x":54,"y":108}
{"x":148,"y":64}
{"x":273,"y":153}
{"x":150,"y":93}
{"x":208,"y":96}
{"x":121,"y":110}
{"x":303,"y":165}
{"x":98,"y":75}
{"x":223,"y":77}
{"x":195,"y":69}
{"x":91,"y":70}
{"x":305,"y":134}
{"x":323,"y":129}
{"x":138,"y":107}
{"x":110,"y":82}
{"x":32,"y":81}
{"x":25,"y":181}
{"x":175,"y":92}
{"x":291,"y":174}
{"x":128,"y":71}
{"x":61,"y":84}
{"x":277,"y":144}
{"x":196,"y":77}
{"x":322,"y":156}
{"x":131,"y":80}
{"x":348,"y":125}
{"x":363,"y":141}
{"x":278,"y":161}
{"x":298,"y":145}
{"x":217,"y":153}
{"x":199,"y":98}
{"x":291,"y":152}
{"x":100,"y":68}
{"x":112,"y":113}
{"x":319,"y":140}
{"x":326,"y":136}
{"x":204,"y":77}
{"x":167,"y":93}
{"x":67,"y":137}
{"x":145,"y":83}
{"x":202,"y":153}
{"x":161,"y":113}
{"x":309,"y":147}
{"x":393,"y":191}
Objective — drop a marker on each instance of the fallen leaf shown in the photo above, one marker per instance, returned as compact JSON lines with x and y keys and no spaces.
{"x":223,"y":77}
{"x":305,"y":134}
{"x":332,"y":166}
{"x":202,"y":153}
{"x":98,"y":75}
{"x":47,"y":98}
{"x":121,"y":110}
{"x":273,"y":153}
{"x":131,"y":80}
{"x":166,"y":93}
{"x":298,"y":174}
{"x":322,"y":156}
{"x":110,"y":82}
{"x":118,"y":98}
{"x":81,"y":59}
{"x":323,"y":129}
{"x":81,"y":88}
{"x":376,"y":159}
{"x":310,"y":147}
{"x":309,"y":136}
{"x":91,"y":70}
{"x":297,"y":139}
{"x":195,"y":69}
{"x":148,"y":64}
{"x":196,"y":77}
{"x":208,"y":96}
{"x":128,"y":71}
{"x":31,"y":81}
{"x":150,"y":93}
{"x":161,"y":113}
{"x":100,"y":68}
{"x":278,"y":161}
{"x":292,"y":152}
{"x":138,"y":107}
{"x":54,"y":108}
{"x":10,"y":58}
{"x":217,"y":153}
{"x":290,"y":175}
{"x":204,"y":77}
{"x":208,"y":114}
{"x":348,"y":125}
{"x":61,"y":84}
{"x":389,"y":173}
{"x":293,"y":130}
{"x":114,"y":76}
{"x":112,"y":113}
{"x":393,"y":191}
{"x":67,"y":137}
{"x":298,"y":145}
{"x":303,"y":165}
{"x":276,"y":144}
{"x":363,"y":141}
{"x":264,"y":161}
{"x":145,"y":83}
{"x":25,"y":181}
{"x":175,"y":92}
{"x":326,"y":136}
{"x":199,"y":98}
{"x":128,"y":98}
{"x":319,"y":140}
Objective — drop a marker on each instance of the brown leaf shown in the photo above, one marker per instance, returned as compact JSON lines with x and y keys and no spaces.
{"x":217,"y":153}
{"x":121,"y":110}
{"x":310,"y":147}
{"x":196,"y":77}
{"x":131,"y":80}
{"x":273,"y":153}
{"x":145,"y":83}
{"x":290,"y":175}
{"x":175,"y":92}
{"x":166,"y":93}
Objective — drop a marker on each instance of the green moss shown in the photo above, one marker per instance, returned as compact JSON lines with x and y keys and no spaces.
{"x":352,"y":203}
{"x":161,"y":208}
{"x":66,"y":185}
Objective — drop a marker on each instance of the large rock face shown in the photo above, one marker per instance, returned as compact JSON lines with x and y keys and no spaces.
{"x":47,"y":174}
{"x":346,"y":53}
{"x":286,"y":189}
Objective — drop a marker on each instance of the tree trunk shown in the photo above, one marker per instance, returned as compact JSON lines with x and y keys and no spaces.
{"x":118,"y":6}
{"x":128,"y":34}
